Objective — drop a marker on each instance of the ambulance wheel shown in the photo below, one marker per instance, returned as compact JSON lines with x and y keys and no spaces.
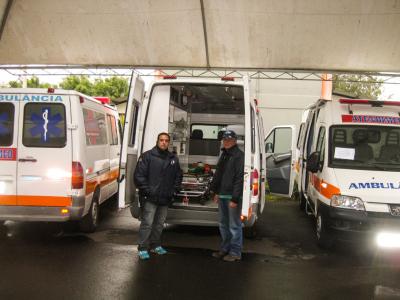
{"x":323,"y":234}
{"x":302,"y":201}
{"x":250,"y":232}
{"x":90,"y":221}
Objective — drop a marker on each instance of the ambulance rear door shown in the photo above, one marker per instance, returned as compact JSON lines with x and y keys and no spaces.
{"x":44,"y":151}
{"x":130,"y":141}
{"x":249,"y":149}
{"x":8,"y":149}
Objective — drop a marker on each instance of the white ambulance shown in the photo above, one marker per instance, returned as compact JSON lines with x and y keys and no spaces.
{"x":349,"y":170}
{"x":59,"y":156}
{"x":195,"y":111}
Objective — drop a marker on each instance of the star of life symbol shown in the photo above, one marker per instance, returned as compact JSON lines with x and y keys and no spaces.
{"x":45,"y":116}
{"x":46,"y":124}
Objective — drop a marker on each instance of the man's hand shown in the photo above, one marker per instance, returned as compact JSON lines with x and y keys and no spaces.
{"x":216,"y":198}
{"x":233,"y":204}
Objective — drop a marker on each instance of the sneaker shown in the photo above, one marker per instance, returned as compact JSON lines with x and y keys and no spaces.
{"x":219,"y":254}
{"x":231,"y":257}
{"x":159,"y":250}
{"x":144,"y":254}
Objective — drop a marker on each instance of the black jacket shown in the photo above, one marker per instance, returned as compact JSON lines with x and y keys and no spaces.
{"x":228,"y":177}
{"x":157,"y":176}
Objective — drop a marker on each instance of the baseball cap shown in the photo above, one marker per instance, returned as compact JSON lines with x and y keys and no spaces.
{"x":229,"y":134}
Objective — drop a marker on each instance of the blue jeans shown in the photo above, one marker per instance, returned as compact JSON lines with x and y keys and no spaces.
{"x":153,"y":218}
{"x":230,"y":227}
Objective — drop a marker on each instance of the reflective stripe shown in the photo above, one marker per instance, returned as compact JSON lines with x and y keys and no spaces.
{"x":324,"y":188}
{"x":101,"y":180}
{"x":35,"y":200}
{"x":8,"y":200}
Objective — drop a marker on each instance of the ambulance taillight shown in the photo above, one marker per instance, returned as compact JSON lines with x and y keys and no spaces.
{"x":254,"y":182}
{"x":77,"y":178}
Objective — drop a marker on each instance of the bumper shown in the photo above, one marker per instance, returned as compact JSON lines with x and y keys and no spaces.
{"x":348,"y":224}
{"x":192,"y":217}
{"x":44,"y":213}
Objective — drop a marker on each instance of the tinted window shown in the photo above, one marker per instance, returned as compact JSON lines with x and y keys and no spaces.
{"x":321,"y":143}
{"x":44,"y":125}
{"x":299,"y":137}
{"x":135,"y":120}
{"x":253,"y":130}
{"x":6,"y":124}
{"x":95,"y":127}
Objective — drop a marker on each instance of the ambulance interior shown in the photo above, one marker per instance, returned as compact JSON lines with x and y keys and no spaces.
{"x":198,"y":116}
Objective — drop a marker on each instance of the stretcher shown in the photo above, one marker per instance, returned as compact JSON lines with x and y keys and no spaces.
{"x":195,"y":189}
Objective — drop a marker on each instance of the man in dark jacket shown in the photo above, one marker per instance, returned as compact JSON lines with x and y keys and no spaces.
{"x":157,"y":176}
{"x":227,"y":185}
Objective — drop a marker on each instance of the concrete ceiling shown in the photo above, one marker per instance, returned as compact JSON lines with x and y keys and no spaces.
{"x":340,"y":35}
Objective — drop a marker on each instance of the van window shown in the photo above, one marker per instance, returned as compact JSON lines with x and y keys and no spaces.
{"x":95,"y":127}
{"x":112,"y":130}
{"x":44,"y":125}
{"x":135,"y":113}
{"x":206,"y":131}
{"x":279,"y":140}
{"x":299,"y":137}
{"x":253,"y":130}
{"x":365,"y":147}
{"x":310,"y":136}
{"x":6,"y":124}
{"x":321,"y":144}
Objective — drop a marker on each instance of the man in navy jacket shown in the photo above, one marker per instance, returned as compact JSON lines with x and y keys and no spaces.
{"x":227,"y":185}
{"x":157,"y":176}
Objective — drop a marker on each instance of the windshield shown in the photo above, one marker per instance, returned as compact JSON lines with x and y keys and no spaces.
{"x":365,"y":147}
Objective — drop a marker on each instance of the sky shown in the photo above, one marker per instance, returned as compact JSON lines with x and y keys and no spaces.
{"x":390,"y":91}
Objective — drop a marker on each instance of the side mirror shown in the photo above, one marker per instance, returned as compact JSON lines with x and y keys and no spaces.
{"x":313,"y":163}
{"x":268,"y":147}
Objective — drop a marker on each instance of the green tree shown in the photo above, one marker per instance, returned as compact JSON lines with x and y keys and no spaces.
{"x":114,"y":87}
{"x":78,"y":83}
{"x":32,"y":82}
{"x":15,"y":84}
{"x":360,"y":86}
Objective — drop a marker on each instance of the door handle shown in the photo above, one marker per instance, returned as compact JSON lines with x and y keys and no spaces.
{"x":27,"y":160}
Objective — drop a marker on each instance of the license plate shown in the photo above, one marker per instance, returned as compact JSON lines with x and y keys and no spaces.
{"x":395,"y":210}
{"x":8,"y":153}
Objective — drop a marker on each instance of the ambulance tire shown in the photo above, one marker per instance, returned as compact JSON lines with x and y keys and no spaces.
{"x":3,"y":229}
{"x":302,"y":201}
{"x":323,"y":234}
{"x":89,"y":222}
{"x":250,"y":232}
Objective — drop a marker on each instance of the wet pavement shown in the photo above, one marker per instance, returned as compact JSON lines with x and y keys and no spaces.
{"x":53,"y":261}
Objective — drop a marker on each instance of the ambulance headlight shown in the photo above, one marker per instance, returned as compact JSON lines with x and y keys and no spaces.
{"x":388,"y":239}
{"x":348,"y":202}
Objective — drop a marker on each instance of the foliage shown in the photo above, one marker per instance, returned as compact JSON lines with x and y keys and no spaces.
{"x":114,"y":87}
{"x":32,"y":82}
{"x":77,"y":83}
{"x":15,"y":84}
{"x":359,"y":86}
